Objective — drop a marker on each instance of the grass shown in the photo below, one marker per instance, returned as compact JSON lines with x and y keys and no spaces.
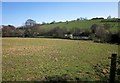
{"x":36,"y":58}
{"x":83,"y":24}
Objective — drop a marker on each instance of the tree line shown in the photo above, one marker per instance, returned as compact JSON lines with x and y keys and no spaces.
{"x":97,"y":33}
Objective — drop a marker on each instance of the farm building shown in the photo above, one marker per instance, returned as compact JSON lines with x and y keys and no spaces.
{"x":79,"y":36}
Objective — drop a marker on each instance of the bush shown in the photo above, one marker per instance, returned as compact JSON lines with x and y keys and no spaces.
{"x":58,"y":32}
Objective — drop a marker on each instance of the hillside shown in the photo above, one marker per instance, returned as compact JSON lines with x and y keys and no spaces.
{"x":83,"y":24}
{"x":101,"y":30}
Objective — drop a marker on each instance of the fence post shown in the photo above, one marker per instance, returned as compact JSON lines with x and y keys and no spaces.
{"x":113,"y":68}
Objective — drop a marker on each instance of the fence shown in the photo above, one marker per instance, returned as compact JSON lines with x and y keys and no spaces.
{"x":113,"y":68}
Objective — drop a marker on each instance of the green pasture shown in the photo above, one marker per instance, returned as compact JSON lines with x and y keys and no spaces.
{"x":36,"y":58}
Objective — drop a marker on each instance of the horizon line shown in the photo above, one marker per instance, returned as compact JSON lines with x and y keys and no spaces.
{"x":57,"y":21}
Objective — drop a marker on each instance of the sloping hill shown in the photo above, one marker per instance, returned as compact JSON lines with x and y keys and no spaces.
{"x":83,"y":24}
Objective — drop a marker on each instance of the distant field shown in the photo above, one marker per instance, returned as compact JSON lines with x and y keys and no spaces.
{"x":36,"y":58}
{"x":83,"y":24}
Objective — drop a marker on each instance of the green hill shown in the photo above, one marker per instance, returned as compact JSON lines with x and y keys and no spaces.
{"x":104,"y":30}
{"x":83,"y":24}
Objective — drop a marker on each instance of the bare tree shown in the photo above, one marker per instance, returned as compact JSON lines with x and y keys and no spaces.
{"x":30,"y":23}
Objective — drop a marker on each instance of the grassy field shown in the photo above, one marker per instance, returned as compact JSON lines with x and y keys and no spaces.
{"x":83,"y":24}
{"x":37,"y":58}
